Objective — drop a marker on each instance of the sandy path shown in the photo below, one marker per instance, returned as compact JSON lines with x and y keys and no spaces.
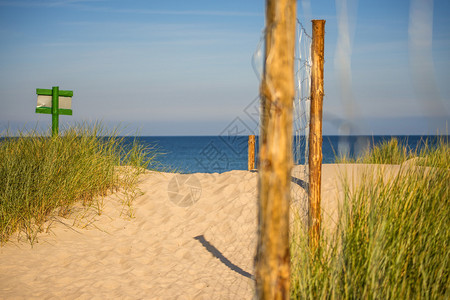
{"x":202,"y":251}
{"x":197,"y":247}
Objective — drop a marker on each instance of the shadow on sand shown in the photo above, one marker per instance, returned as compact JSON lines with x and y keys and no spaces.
{"x":216,"y":253}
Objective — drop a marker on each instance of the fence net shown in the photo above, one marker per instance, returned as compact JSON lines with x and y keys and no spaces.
{"x":301,"y":120}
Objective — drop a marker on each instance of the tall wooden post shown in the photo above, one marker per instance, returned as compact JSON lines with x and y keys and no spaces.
{"x":315,"y":132}
{"x":251,"y":152}
{"x":272,"y":261}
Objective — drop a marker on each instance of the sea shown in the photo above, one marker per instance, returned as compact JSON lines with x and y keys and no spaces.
{"x":218,"y":154}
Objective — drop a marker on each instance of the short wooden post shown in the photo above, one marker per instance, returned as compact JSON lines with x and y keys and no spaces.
{"x":315,"y":133}
{"x":251,"y":152}
{"x":272,"y":263}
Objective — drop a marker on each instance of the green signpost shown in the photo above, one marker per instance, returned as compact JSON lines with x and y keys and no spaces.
{"x":55,"y":102}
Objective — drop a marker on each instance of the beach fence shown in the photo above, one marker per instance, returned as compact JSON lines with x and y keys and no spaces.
{"x":272,"y":261}
{"x":258,"y":212}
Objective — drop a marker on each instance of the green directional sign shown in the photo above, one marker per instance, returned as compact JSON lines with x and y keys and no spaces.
{"x":55,"y":102}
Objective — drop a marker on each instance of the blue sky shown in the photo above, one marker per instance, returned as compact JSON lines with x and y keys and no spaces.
{"x":185,"y":67}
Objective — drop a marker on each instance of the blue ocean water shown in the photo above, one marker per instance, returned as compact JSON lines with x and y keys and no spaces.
{"x":211,"y":154}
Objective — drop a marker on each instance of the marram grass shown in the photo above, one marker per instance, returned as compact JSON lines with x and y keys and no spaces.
{"x":395,"y":152}
{"x":393,"y":237}
{"x":41,"y":175}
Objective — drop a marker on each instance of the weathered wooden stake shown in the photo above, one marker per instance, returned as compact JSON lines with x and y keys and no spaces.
{"x":251,"y":152}
{"x":272,"y":261}
{"x":315,"y":132}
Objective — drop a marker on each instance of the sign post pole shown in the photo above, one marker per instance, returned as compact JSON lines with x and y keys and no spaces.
{"x":55,"y":107}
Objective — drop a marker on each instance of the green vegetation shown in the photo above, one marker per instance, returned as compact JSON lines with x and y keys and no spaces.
{"x":40,"y":176}
{"x":393,"y":236}
{"x":395,"y":152}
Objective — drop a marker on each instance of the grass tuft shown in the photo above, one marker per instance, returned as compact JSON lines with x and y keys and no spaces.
{"x":395,"y":152}
{"x":41,"y":175}
{"x":393,"y":237}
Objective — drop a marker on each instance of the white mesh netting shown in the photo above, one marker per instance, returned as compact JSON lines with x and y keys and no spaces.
{"x":301,"y":119}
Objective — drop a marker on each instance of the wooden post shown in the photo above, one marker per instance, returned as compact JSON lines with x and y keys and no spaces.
{"x":251,"y":152}
{"x":315,"y":132}
{"x":272,"y":262}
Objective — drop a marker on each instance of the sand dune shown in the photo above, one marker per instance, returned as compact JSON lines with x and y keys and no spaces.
{"x":191,"y":237}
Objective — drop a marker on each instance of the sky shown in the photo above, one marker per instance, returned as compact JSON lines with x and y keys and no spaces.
{"x":185,"y":67}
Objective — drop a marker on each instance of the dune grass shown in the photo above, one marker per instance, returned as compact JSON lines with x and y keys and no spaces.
{"x":395,"y":152}
{"x":393,"y":237}
{"x":41,"y":175}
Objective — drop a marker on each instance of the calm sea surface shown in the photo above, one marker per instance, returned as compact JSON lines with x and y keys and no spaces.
{"x":210,"y":154}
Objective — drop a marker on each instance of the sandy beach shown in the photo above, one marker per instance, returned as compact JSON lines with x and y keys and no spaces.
{"x":189,"y":237}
